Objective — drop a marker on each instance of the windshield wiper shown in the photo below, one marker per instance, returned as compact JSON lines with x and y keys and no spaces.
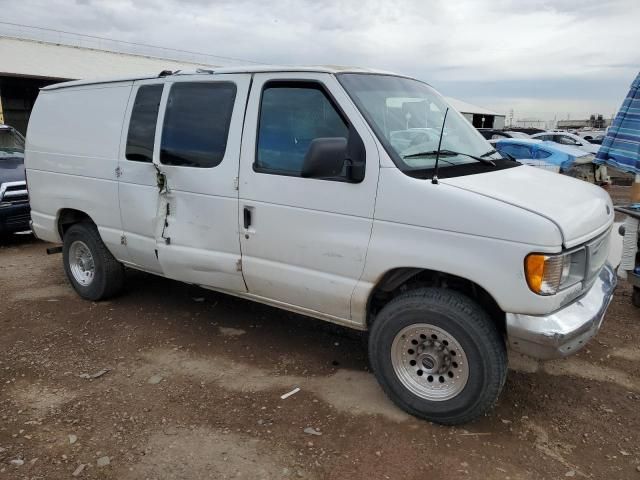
{"x":450,"y":153}
{"x":508,"y":156}
{"x":490,"y":152}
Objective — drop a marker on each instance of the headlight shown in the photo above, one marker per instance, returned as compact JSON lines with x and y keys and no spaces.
{"x":548,"y":274}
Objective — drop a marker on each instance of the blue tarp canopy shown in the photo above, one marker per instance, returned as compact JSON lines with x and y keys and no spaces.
{"x":621,"y":146}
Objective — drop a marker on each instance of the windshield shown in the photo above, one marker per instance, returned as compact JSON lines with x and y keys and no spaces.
{"x":407,"y":116}
{"x":11,"y":143}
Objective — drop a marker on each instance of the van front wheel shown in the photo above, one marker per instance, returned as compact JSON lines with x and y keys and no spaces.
{"x":90,"y":267}
{"x":438,"y":355}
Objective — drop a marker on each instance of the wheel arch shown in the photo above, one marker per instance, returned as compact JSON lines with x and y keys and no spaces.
{"x":70,"y":216}
{"x":401,"y":279}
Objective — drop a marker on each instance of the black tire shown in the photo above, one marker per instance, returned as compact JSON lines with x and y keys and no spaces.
{"x":109,"y":273}
{"x":466,"y":322}
{"x":635,"y":297}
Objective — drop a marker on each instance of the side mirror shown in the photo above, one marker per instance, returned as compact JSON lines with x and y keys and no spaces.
{"x":325,"y":158}
{"x":335,"y":156}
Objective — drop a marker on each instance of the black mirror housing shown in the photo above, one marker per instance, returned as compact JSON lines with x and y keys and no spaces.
{"x":325,"y":158}
{"x":332,"y":157}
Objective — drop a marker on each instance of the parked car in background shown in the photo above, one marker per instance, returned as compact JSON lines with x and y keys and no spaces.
{"x":568,"y":139}
{"x":493,"y":134}
{"x":597,"y":140}
{"x":14,"y":200}
{"x":592,"y":136}
{"x":550,"y":156}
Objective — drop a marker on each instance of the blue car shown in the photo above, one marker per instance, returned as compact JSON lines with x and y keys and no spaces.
{"x":549,"y":156}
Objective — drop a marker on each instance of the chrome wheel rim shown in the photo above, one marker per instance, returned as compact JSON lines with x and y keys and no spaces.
{"x":81,"y":263}
{"x":429,"y":362}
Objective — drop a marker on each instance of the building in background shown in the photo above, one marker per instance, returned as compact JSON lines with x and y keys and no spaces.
{"x":595,"y":121}
{"x":530,"y":123}
{"x":479,"y":117}
{"x":32,"y":58}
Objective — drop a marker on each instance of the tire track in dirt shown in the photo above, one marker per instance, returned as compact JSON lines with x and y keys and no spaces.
{"x":576,"y":367}
{"x":348,"y":391}
{"x":205,"y":453}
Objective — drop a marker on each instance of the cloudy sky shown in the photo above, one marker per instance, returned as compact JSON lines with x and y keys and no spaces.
{"x":540,"y":58}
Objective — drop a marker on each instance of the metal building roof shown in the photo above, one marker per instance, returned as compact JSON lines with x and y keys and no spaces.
{"x":31,"y":58}
{"x":465,"y":107}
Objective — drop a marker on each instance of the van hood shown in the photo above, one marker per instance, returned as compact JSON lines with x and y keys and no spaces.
{"x":579,"y":209}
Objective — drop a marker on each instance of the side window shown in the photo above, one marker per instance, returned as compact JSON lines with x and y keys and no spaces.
{"x":542,"y":154}
{"x":292,"y":115}
{"x":564,"y":140}
{"x":142,"y":125}
{"x":516,"y":151}
{"x":196,"y":124}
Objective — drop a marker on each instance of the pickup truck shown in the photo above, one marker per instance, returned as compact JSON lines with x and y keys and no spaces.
{"x":350,"y":195}
{"x":14,"y":199}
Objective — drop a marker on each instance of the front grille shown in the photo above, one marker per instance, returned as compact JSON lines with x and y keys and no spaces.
{"x":18,"y":220}
{"x":14,"y":192}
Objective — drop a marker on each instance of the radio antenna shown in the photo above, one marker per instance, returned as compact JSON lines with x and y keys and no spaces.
{"x":434,"y":179}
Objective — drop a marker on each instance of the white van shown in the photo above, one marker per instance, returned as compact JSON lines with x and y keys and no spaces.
{"x":348,"y":195}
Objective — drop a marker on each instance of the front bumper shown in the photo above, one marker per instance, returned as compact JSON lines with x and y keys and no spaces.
{"x":15,"y":217}
{"x":567,"y":330}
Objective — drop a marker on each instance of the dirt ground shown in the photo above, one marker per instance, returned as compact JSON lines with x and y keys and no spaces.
{"x":194,"y":382}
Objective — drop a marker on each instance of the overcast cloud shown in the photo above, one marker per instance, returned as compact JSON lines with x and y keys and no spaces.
{"x":540,"y":58}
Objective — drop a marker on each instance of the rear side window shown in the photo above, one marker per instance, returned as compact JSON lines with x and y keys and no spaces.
{"x":516,"y":151}
{"x":196,"y":124}
{"x":142,"y":126}
{"x":542,"y":154}
{"x":291,"y":117}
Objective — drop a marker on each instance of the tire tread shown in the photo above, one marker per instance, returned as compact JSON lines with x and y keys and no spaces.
{"x":480,"y":322}
{"x":112,"y":269}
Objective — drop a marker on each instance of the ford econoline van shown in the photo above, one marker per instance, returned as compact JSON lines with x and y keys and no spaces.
{"x":348,"y":195}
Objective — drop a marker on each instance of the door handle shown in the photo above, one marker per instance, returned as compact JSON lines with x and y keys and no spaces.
{"x":247,"y":217}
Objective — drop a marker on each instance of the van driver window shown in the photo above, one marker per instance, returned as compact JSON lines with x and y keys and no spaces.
{"x":291,"y":117}
{"x":196,"y":123}
{"x":142,"y":126}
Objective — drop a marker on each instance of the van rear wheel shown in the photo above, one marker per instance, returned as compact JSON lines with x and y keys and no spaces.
{"x":90,"y":267}
{"x":438,"y":355}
